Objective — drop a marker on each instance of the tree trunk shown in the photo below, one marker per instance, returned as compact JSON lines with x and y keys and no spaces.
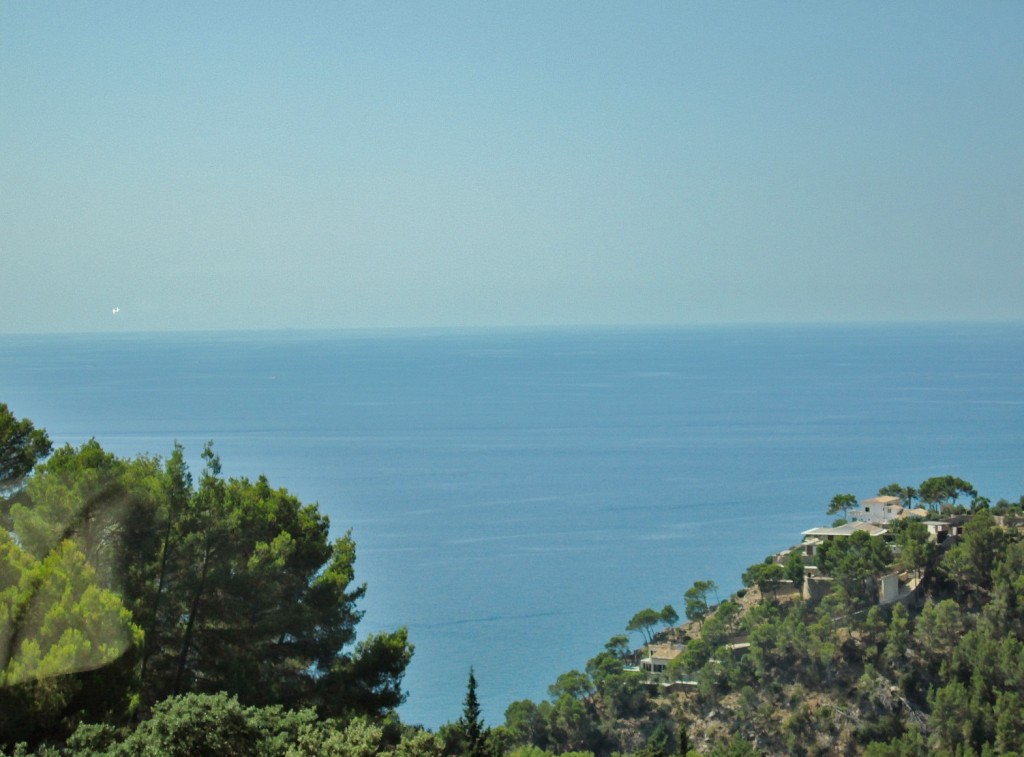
{"x":186,"y":642}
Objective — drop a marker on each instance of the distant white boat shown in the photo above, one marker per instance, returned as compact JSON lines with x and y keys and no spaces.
{"x":117,"y":310}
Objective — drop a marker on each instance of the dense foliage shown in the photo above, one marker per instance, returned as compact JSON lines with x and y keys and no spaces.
{"x":124,"y":583}
{"x":21,"y":446}
{"x":942,"y":675}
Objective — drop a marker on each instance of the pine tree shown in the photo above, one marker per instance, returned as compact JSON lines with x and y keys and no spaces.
{"x":684,"y":740}
{"x":471,"y":723}
{"x":22,"y":445}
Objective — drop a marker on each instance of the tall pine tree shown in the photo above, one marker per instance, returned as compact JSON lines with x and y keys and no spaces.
{"x":471,"y":723}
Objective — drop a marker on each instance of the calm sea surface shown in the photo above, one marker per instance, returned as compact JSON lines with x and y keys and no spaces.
{"x":516,"y":497}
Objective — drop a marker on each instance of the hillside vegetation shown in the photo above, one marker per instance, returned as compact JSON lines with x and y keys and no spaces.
{"x":766,"y":672}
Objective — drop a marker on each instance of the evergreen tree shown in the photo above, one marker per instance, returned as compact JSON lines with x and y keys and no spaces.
{"x":684,"y":740}
{"x":471,"y":724}
{"x":64,"y":643}
{"x":855,"y":562}
{"x":235,"y":587}
{"x":696,"y":598}
{"x":945,"y":491}
{"x":765,"y":576}
{"x":22,"y":445}
{"x":644,"y":622}
{"x":841,"y":503}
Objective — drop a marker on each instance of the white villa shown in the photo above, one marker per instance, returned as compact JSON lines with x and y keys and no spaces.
{"x":883,"y":509}
{"x":658,"y":656}
{"x":815,"y":537}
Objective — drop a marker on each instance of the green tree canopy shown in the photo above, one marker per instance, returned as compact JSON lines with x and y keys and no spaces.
{"x":668,"y":615}
{"x":855,"y":562}
{"x":618,"y":646}
{"x":841,"y":503}
{"x":916,"y":549}
{"x":573,"y":683}
{"x":766,"y":576}
{"x":696,"y":598}
{"x":528,"y":722}
{"x":54,"y":619}
{"x":65,"y":642}
{"x":970,"y":561}
{"x":644,"y":622}
{"x":721,"y":624}
{"x":471,"y":724}
{"x":22,"y":445}
{"x":945,"y":491}
{"x":794,"y":567}
{"x":219,"y":725}
{"x":237,"y":586}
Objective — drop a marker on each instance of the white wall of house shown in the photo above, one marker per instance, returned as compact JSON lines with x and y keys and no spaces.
{"x":888,"y":589}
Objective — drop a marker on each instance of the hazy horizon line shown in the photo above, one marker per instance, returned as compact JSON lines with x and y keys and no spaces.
{"x":529,"y":328}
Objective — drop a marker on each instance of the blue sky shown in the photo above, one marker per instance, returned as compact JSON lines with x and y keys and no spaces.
{"x":330,"y":165}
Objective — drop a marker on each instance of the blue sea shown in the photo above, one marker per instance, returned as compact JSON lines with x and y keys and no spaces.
{"x":517,"y":496}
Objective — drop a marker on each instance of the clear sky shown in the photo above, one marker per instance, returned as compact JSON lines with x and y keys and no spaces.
{"x":375,"y":164}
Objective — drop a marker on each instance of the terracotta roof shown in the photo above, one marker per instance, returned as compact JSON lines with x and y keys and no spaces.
{"x":884,"y":499}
